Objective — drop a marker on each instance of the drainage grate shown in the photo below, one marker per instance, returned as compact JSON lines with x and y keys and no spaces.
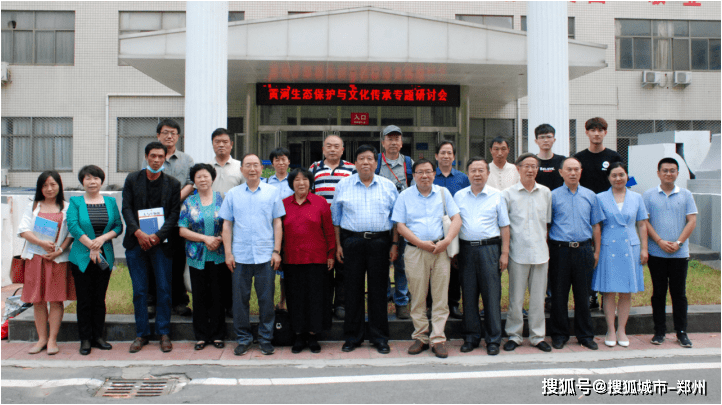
{"x":119,"y":388}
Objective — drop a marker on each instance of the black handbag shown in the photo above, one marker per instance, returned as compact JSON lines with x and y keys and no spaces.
{"x":282,"y":332}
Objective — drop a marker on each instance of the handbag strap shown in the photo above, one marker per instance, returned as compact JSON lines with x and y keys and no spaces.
{"x":443,"y":199}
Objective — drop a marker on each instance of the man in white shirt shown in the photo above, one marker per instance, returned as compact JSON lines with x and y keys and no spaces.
{"x":502,"y":174}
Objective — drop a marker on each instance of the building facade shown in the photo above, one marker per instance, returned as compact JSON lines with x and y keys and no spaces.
{"x":78,"y":93}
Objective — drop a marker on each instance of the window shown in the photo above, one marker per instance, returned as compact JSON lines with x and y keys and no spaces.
{"x":628,"y":130}
{"x":667,"y":45}
{"x":570,"y":26}
{"x":38,"y":37}
{"x":132,"y":22}
{"x":482,"y":131}
{"x":572,"y":136}
{"x":37,"y":144}
{"x":500,"y":21}
{"x":134,"y":134}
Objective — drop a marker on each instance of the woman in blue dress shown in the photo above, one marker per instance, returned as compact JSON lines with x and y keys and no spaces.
{"x":623,"y":252}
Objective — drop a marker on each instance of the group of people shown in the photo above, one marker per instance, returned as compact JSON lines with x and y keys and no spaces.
{"x":333,"y":230}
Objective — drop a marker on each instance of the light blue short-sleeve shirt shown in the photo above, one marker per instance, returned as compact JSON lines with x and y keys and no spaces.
{"x":668,"y":217}
{"x":574,"y":214}
{"x":481,"y":215}
{"x":252,"y":214}
{"x":422,"y":215}
{"x":358,"y":208}
{"x":282,"y":185}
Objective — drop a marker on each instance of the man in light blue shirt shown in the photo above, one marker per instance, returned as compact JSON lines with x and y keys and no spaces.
{"x":418,"y":214}
{"x":366,"y":240}
{"x":576,"y":217}
{"x":484,"y":227}
{"x":672,"y":218}
{"x":253,"y":231}
{"x":280,"y":159}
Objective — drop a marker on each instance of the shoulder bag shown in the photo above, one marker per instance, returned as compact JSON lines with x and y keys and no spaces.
{"x":453,"y":248}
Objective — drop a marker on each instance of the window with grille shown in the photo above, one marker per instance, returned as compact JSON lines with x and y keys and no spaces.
{"x":37,"y":144}
{"x":667,"y":44}
{"x":483,"y":130}
{"x":572,"y":136}
{"x":134,"y":133}
{"x":570,"y":26}
{"x":38,"y":37}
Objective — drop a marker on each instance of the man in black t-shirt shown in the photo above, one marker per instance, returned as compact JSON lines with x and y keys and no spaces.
{"x":595,"y":164}
{"x":596,"y":159}
{"x":550,"y":163}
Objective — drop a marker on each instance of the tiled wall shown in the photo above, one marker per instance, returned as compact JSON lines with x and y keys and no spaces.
{"x":80,"y":91}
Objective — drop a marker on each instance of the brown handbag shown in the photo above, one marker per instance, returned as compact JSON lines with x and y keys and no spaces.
{"x":17,"y":270}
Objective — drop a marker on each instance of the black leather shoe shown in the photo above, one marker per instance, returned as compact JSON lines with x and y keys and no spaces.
{"x":101,"y":344}
{"x":299,"y":344}
{"x":349,"y":346}
{"x":313,"y":344}
{"x":383,"y":348}
{"x":589,"y":344}
{"x":455,"y":313}
{"x":510,"y":345}
{"x":219,"y":344}
{"x":492,"y":349}
{"x":558,"y":344}
{"x":468,"y":346}
{"x":543,"y":346}
{"x":85,"y":347}
{"x":199,"y":346}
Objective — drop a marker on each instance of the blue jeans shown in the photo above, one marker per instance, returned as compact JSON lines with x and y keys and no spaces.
{"x":139,"y":264}
{"x":243,"y":276}
{"x":401,"y":293}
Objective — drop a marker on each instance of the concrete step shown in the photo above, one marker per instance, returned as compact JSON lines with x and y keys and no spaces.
{"x":701,"y":253}
{"x":701,"y":318}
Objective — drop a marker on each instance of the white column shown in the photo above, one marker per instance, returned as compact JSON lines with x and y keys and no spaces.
{"x":206,"y":104}
{"x":548,"y":71}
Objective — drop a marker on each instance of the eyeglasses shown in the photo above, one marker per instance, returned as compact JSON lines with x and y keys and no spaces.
{"x":166,"y":133}
{"x":428,"y":173}
{"x":669,"y":171}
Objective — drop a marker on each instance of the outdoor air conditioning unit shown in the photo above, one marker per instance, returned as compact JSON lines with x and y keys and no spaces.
{"x":650,"y":77}
{"x":682,"y":78}
{"x":5,"y":73}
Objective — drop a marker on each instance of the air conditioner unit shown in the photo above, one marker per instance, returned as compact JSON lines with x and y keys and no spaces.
{"x":650,"y":77}
{"x":682,"y":78}
{"x":4,"y":175}
{"x":5,"y":73}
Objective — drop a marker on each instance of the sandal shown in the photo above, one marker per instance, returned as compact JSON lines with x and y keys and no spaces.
{"x":219,"y":344}
{"x":200,"y":345}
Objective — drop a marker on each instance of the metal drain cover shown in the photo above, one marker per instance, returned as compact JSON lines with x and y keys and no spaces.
{"x":138,"y":388}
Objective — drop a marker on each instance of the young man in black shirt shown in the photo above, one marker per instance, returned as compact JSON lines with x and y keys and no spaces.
{"x":595,"y":163}
{"x":550,"y":163}
{"x":597,"y":158}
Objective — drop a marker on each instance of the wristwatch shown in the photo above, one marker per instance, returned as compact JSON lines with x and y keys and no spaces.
{"x":276,"y":251}
{"x":679,"y":243}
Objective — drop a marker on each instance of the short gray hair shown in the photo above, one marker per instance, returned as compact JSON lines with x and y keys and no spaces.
{"x":525,"y":156}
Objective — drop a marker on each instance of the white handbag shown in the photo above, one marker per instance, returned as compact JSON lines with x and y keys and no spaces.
{"x":453,"y":248}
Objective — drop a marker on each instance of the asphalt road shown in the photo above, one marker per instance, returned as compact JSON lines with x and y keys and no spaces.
{"x":418,"y":383}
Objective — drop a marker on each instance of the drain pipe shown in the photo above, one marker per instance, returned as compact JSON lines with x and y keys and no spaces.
{"x":107,"y":119}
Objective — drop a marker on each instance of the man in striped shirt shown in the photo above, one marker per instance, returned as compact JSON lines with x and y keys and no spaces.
{"x":326,"y":174}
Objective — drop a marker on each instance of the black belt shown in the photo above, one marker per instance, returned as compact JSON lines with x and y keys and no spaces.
{"x":411,"y":244}
{"x":490,"y":241}
{"x":365,"y":235}
{"x":573,"y":245}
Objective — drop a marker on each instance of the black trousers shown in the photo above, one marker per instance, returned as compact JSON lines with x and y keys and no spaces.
{"x":307,"y":297}
{"x":335,"y":286}
{"x":479,"y":274}
{"x":208,"y":315}
{"x":573,"y":269}
{"x":90,"y":288}
{"x":366,"y":258}
{"x":225,"y":287}
{"x":673,"y":273}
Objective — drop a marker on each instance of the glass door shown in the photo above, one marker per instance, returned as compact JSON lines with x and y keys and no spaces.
{"x":305,"y":147}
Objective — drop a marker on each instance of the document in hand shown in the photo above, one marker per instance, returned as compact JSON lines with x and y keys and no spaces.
{"x":151,"y":220}
{"x":45,"y":230}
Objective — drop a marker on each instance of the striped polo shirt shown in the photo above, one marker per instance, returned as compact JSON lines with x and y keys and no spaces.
{"x":325,"y":179}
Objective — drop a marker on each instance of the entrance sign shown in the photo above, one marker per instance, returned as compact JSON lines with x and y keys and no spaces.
{"x":428,"y":95}
{"x":359,"y":118}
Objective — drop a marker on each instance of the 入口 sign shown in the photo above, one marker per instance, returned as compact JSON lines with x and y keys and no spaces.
{"x":359,"y":118}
